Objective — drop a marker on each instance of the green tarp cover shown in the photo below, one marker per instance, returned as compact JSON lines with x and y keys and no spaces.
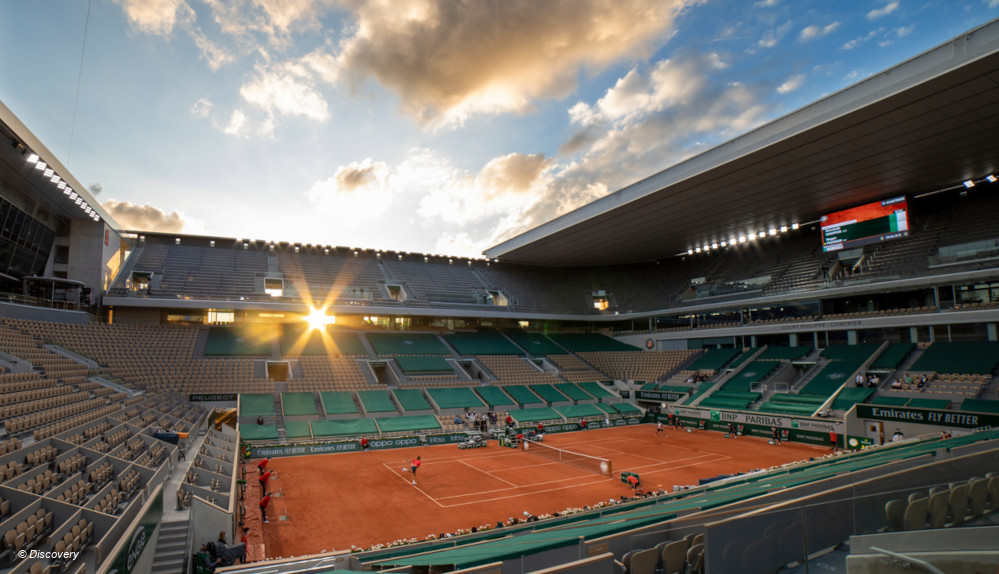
{"x":980,"y":406}
{"x":407,"y":344}
{"x":258,"y":432}
{"x":411,"y":423}
{"x":423,"y":364}
{"x":412,"y":400}
{"x":573,"y":391}
{"x":298,"y":404}
{"x":376,"y":401}
{"x":297,"y":429}
{"x":458,"y":398}
{"x":596,"y":390}
{"x":588,"y":342}
{"x":548,"y":393}
{"x":482,"y":343}
{"x":626,"y":408}
{"x":494,"y":396}
{"x":238,"y":341}
{"x":892,"y":356}
{"x":300,"y":341}
{"x":535,"y":343}
{"x":713,"y":359}
{"x":522,"y":395}
{"x":343,"y":427}
{"x":338,"y":402}
{"x":256,"y":404}
{"x":534,"y":415}
{"x":579,"y":411}
{"x":964,"y":358}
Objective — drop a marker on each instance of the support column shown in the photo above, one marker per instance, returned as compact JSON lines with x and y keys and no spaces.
{"x":793,"y":339}
{"x":913,"y":334}
{"x":851,"y":337}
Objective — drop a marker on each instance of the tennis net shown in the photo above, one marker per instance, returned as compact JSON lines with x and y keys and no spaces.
{"x":578,"y":460}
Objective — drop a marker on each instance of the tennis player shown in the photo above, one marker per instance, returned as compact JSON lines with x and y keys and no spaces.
{"x":416,"y":464}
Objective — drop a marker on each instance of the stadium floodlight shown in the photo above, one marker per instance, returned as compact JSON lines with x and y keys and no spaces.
{"x":763,"y":234}
{"x":783,"y":229}
{"x":724,"y":244}
{"x":62,"y":185}
{"x":714,"y":246}
{"x":773,"y":231}
{"x":969,"y":184}
{"x":794,"y":226}
{"x":41,"y":165}
{"x":697,"y":250}
{"x":48,"y":173}
{"x":991,"y":178}
{"x":74,"y":195}
{"x":690,"y":252}
{"x":68,"y":190}
{"x":33,"y":158}
{"x":56,"y":178}
{"x":79,"y":200}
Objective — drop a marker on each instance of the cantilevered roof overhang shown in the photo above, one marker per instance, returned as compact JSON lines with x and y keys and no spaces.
{"x":924,"y":125}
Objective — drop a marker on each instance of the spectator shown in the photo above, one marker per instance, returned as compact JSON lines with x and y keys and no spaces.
{"x":897,"y":436}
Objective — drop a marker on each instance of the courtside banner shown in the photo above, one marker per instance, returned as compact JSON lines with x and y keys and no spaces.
{"x":394,"y":442}
{"x":212,"y":397}
{"x":950,"y":419}
{"x":759,"y":419}
{"x":272,"y":451}
{"x":659,"y":396}
{"x":449,"y":438}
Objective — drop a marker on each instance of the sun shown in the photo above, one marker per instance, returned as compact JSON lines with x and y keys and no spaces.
{"x":318,"y":319}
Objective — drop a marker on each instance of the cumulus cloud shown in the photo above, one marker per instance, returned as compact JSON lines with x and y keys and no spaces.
{"x":95,"y":189}
{"x":851,"y":44}
{"x":144,"y":217}
{"x":449,"y":60}
{"x":357,"y":192}
{"x":766,"y":3}
{"x":161,"y":17}
{"x":883,"y":11}
{"x":813,"y":32}
{"x":285,"y":89}
{"x":792,"y":84}
{"x":773,"y":37}
{"x":201,"y":109}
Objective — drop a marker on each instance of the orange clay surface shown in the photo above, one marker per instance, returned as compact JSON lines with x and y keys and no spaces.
{"x":334,"y":501}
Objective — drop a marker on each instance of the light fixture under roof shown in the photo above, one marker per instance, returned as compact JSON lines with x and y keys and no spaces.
{"x":68,"y":190}
{"x":969,"y":184}
{"x":697,"y":250}
{"x":62,"y":185}
{"x":48,"y":173}
{"x":773,"y":231}
{"x":794,"y":226}
{"x":33,"y":158}
{"x":763,"y":234}
{"x":40,"y":165}
{"x":991,"y":178}
{"x":724,"y":244}
{"x":74,"y":195}
{"x":783,"y":229}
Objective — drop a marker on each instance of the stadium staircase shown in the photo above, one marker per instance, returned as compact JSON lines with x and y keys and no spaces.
{"x":319,"y":406}
{"x":991,"y":390}
{"x":201,"y":343}
{"x":171,"y":553}
{"x":447,"y":345}
{"x":809,"y":374}
{"x":259,"y":369}
{"x":62,"y":352}
{"x":367,"y":345}
{"x":279,"y":411}
{"x":296,"y":369}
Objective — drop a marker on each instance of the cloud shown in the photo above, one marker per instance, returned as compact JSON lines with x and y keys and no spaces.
{"x":357,"y":175}
{"x":274,"y":20}
{"x":286,"y":89}
{"x":813,"y":32}
{"x":95,"y":189}
{"x":773,"y":37}
{"x":450,"y":60}
{"x":359,"y":192}
{"x":904,"y":31}
{"x":992,"y":3}
{"x":792,"y":84}
{"x":883,"y":11}
{"x":766,"y":3}
{"x":237,"y":125}
{"x":156,"y":17}
{"x":201,"y":109}
{"x":861,"y":39}
{"x":144,"y":217}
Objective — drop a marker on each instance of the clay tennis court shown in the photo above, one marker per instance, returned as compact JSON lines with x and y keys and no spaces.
{"x":365,"y":498}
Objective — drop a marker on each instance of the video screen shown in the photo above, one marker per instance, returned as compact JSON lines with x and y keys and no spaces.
{"x":865,"y":224}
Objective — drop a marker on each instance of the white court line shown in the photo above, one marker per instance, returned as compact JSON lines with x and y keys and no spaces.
{"x":409,"y":481}
{"x":487,"y":473}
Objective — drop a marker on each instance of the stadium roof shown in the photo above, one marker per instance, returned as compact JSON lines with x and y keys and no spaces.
{"x":924,"y":125}
{"x":17,"y":174}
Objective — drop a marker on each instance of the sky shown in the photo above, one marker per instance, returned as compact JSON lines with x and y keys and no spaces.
{"x":432,"y":126}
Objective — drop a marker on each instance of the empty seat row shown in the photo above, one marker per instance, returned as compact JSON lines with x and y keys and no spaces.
{"x":11,"y":470}
{"x":945,"y":506}
{"x":9,"y":445}
{"x":76,"y":494}
{"x":81,"y":535}
{"x":27,"y":534}
{"x":66,"y":424}
{"x":72,"y":464}
{"x":109,"y":504}
{"x":40,"y":456}
{"x":130,"y":482}
{"x":102,"y":474}
{"x":42,"y":483}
